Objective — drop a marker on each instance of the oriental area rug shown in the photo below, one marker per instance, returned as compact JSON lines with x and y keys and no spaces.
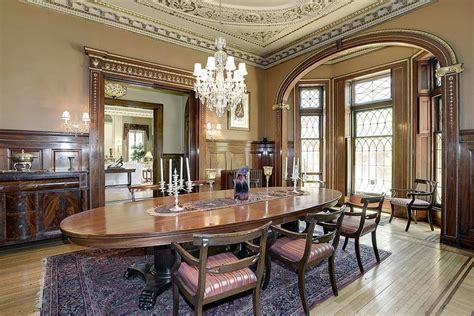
{"x":91,"y":282}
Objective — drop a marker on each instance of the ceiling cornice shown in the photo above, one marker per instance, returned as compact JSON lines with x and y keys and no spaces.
{"x":134,"y":22}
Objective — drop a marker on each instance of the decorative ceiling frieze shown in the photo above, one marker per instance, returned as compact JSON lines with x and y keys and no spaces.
{"x":265,"y":34}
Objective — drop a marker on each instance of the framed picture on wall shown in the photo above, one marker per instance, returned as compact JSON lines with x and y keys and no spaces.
{"x":239,"y":117}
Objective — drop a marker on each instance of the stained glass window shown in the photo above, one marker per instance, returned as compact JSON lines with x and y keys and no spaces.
{"x":310,"y":126}
{"x":374,"y":90}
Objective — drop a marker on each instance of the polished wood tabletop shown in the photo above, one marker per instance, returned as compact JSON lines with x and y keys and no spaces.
{"x":129,"y":225}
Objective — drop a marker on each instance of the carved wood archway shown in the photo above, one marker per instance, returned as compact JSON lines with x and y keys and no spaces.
{"x":104,"y":65}
{"x":450,"y":73}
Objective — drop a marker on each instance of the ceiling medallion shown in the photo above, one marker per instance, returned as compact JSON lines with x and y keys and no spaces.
{"x":114,"y":90}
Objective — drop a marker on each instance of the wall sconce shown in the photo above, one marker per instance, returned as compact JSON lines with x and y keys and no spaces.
{"x":212,"y":131}
{"x":74,"y":126}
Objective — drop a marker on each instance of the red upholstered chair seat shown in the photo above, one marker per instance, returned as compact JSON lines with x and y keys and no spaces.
{"x":405,"y":202}
{"x":216,"y":283}
{"x":350,"y":225}
{"x":293,"y":249}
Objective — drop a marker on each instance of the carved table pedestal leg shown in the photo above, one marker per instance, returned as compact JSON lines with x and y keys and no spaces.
{"x":157,"y":277}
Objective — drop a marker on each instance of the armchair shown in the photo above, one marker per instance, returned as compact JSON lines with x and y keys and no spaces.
{"x":212,"y":278}
{"x":415,"y":200}
{"x":358,"y":224}
{"x":300,"y":251}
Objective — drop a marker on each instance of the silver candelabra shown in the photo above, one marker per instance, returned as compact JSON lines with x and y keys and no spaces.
{"x":174,"y":187}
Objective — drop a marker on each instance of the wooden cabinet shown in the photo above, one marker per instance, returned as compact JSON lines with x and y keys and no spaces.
{"x":32,"y":204}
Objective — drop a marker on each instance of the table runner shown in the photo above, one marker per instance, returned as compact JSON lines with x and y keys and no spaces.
{"x":212,"y":204}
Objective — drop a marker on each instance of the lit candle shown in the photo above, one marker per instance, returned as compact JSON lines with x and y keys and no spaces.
{"x":161,"y":169}
{"x":187,"y":168}
{"x":298,"y":165}
{"x":181,"y":168}
{"x":286,"y":167}
{"x":171,"y":167}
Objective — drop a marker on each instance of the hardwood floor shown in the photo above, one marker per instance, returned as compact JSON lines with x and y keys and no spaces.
{"x":421,"y":276}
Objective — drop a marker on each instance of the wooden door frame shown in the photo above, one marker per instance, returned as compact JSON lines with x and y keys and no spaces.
{"x":106,"y":66}
{"x":157,"y":109}
{"x":450,"y":73}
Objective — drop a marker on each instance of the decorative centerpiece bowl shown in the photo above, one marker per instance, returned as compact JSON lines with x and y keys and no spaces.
{"x":22,"y":161}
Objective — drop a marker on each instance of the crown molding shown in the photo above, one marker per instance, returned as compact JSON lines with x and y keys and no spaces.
{"x":359,"y":21}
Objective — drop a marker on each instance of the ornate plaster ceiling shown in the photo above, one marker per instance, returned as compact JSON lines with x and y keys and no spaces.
{"x":261,"y":32}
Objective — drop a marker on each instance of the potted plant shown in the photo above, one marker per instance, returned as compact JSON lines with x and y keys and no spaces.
{"x":138,"y":152}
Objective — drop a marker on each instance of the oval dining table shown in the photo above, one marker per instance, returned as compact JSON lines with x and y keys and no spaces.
{"x":129,"y":225}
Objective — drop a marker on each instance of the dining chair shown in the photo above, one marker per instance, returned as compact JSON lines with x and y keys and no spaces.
{"x":300,"y":251}
{"x":415,"y":200}
{"x":358,"y":224}
{"x":208,"y":279}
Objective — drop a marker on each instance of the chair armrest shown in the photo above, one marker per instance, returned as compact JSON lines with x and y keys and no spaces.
{"x":371,"y":216}
{"x":353,"y":205}
{"x":190,"y":259}
{"x":419,"y":193}
{"x":322,"y":239}
{"x":288,"y":233}
{"x":353,"y":213}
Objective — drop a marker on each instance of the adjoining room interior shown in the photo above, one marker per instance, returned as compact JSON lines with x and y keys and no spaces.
{"x":213,"y":157}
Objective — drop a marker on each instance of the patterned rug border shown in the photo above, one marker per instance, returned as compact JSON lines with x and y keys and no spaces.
{"x":50,"y":262}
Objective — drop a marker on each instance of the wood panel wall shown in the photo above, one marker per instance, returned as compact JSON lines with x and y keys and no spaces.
{"x":51,"y":148}
{"x":465,"y":221}
{"x":229,"y":155}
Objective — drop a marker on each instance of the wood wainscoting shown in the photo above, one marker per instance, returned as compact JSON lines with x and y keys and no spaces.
{"x":50,"y":148}
{"x":466,"y":189}
{"x":233,"y":154}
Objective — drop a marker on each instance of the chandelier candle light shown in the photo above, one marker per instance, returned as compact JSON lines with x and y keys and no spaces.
{"x":220,"y":85}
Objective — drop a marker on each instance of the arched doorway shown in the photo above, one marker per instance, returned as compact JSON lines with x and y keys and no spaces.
{"x":450,"y":72}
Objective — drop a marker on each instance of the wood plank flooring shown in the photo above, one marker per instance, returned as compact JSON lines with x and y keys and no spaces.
{"x":421,"y":276}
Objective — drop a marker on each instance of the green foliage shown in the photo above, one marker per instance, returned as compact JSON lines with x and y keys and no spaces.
{"x":138,"y":152}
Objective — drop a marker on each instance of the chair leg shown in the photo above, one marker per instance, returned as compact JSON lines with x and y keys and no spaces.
{"x":357,"y":251}
{"x":198,"y":309}
{"x":268,"y":271}
{"x":302,"y":289}
{"x":408,"y":218}
{"x":256,"y":301}
{"x":393,"y":211}
{"x":430,"y":219}
{"x":332,"y":275}
{"x":346,"y":241}
{"x":175,"y":299}
{"x":415,"y":214}
{"x":374,"y":245}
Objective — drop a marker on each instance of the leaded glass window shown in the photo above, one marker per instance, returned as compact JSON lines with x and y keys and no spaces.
{"x":311,"y":100}
{"x":373,"y":90}
{"x":372,"y":135}
{"x":310,"y":97}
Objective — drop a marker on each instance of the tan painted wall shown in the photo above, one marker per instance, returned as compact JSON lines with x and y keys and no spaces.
{"x":449,"y":19}
{"x":43,"y":68}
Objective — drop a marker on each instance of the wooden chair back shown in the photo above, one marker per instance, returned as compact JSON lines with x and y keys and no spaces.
{"x":427,"y":186}
{"x":331,"y":221}
{"x":204,"y":241}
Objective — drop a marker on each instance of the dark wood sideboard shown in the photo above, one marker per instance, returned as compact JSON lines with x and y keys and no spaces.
{"x":32,"y":204}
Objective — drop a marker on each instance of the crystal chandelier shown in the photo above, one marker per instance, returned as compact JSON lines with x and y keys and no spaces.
{"x":220,"y":85}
